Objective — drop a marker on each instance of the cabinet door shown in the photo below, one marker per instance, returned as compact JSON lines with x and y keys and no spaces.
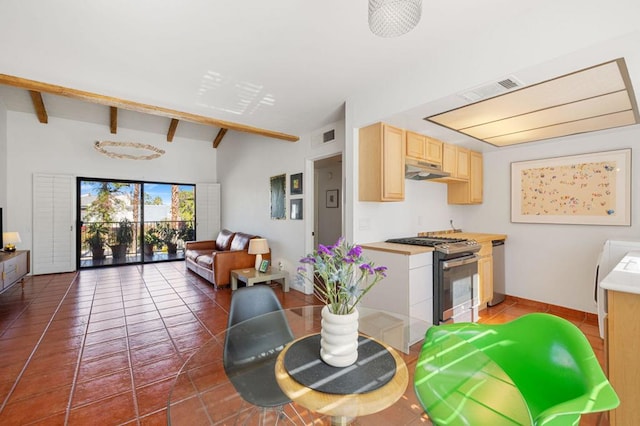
{"x":463,"y":163}
{"x":393,"y":147}
{"x":476,"y":178}
{"x":485,"y":273}
{"x":381,"y":154}
{"x":450,"y":159}
{"x":433,"y":148}
{"x":416,"y":146}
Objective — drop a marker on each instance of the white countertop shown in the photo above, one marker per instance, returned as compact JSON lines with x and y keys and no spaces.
{"x":625,"y":277}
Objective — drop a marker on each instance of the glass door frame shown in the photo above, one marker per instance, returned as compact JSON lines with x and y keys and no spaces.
{"x":160,"y":231}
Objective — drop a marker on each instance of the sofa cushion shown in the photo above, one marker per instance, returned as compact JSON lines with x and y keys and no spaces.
{"x":194,"y":254}
{"x":225,"y":237}
{"x":205,"y":260}
{"x":241,"y":241}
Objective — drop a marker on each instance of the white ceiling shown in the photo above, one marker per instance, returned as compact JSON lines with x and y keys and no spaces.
{"x":289,"y":65}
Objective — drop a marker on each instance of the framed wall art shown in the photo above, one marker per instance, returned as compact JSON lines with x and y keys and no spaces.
{"x":295,"y":184}
{"x":332,"y":198}
{"x":264,"y":266}
{"x":586,"y":189}
{"x":278,"y":192}
{"x":295,"y":206}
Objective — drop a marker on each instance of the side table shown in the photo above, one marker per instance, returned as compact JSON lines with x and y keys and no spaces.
{"x":250,"y":276}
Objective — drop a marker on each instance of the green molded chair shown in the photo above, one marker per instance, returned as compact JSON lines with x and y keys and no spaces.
{"x":536,"y":370}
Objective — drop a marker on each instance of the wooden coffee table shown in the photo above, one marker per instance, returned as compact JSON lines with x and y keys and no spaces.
{"x":250,"y":276}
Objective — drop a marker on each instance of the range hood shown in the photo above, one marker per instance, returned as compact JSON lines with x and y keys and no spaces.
{"x":422,"y":170}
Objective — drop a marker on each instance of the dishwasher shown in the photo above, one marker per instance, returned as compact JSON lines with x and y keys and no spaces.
{"x":498,"y":272}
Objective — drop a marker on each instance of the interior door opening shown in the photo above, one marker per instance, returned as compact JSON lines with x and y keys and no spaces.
{"x":328,"y":203}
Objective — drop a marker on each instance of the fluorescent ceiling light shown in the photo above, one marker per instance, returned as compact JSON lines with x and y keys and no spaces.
{"x":596,"y":98}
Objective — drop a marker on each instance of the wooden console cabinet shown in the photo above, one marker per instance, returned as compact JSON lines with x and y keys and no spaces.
{"x":13,"y":267}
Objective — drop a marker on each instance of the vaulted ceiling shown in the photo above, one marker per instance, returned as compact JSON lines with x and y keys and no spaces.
{"x":282,"y":68}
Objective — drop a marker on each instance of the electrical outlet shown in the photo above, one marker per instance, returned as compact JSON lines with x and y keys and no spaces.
{"x":280,"y":266}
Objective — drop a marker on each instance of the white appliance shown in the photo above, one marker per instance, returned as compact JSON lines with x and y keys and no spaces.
{"x":612,"y":253}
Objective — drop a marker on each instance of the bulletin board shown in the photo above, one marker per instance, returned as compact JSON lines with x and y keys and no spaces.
{"x":587,"y":189}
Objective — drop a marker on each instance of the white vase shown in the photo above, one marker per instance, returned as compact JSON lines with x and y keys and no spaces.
{"x":339,"y":338}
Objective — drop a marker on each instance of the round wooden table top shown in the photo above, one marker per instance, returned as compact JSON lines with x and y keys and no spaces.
{"x":344,"y":406}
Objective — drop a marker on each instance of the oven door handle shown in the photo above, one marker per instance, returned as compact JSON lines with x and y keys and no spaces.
{"x":459,"y":262}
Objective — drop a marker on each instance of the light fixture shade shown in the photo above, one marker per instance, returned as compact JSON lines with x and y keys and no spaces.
{"x":392,"y":18}
{"x":11,"y":237}
{"x":258,"y":246}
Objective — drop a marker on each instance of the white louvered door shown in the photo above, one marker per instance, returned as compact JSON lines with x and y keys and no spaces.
{"x":53,"y":224}
{"x":207,"y":211}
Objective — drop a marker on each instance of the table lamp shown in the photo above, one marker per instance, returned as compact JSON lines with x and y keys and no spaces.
{"x":258,"y":246}
{"x":10,"y":239}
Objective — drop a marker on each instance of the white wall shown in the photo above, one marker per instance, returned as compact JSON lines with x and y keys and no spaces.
{"x":552,"y":263}
{"x":245,"y":166}
{"x":66,"y":147}
{"x":3,"y":156}
{"x":549,"y":263}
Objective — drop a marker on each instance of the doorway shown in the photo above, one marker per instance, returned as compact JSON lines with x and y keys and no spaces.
{"x":328,"y":200}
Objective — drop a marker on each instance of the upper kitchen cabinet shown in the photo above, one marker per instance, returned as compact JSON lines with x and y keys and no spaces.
{"x":469,"y":191}
{"x":381,"y":163}
{"x":455,"y":161}
{"x":424,"y":148}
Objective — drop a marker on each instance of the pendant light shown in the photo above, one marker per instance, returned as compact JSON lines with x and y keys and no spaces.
{"x":392,"y":18}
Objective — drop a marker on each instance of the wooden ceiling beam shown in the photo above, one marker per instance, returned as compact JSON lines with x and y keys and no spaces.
{"x":113,"y":121}
{"x":219,"y":137}
{"x":172,"y":129}
{"x":38,"y":105}
{"x":37,"y":86}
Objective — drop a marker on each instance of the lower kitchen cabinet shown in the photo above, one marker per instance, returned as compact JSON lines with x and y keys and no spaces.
{"x":622,"y":346}
{"x":485,"y":274}
{"x":407,"y":290}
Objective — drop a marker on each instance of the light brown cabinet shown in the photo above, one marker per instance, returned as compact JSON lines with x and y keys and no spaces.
{"x":622,"y":346}
{"x":424,"y":148}
{"x":469,"y":191}
{"x":485,"y":273}
{"x":381,"y":163}
{"x":456,"y":162}
{"x":13,"y":267}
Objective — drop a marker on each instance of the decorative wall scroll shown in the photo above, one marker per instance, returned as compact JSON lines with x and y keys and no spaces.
{"x":588,"y":189}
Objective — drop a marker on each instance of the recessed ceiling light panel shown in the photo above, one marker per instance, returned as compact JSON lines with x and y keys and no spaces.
{"x":592,"y":99}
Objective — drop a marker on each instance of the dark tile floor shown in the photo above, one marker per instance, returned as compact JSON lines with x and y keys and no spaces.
{"x":103,"y":346}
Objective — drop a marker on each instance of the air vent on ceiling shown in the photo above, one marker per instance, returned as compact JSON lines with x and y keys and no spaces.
{"x":492,"y":89}
{"x":328,"y":136}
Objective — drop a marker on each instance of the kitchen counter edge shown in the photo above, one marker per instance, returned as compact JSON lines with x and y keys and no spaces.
{"x":405,"y":249}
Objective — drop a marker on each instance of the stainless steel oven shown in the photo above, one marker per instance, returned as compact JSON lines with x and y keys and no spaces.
{"x":455,"y":276}
{"x":457,"y":279}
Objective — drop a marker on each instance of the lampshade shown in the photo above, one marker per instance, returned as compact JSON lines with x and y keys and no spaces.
{"x":258,"y":246}
{"x":10,"y":239}
{"x":392,"y":18}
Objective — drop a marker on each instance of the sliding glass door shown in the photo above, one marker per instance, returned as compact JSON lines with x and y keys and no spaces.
{"x":124,"y":222}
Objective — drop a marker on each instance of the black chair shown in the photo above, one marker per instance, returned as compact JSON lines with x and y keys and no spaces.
{"x":251,"y":348}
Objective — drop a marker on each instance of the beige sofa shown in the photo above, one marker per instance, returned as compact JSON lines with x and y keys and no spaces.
{"x":214,"y":260}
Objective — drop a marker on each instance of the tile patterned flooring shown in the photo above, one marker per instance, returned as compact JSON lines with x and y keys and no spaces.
{"x":103,"y":346}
